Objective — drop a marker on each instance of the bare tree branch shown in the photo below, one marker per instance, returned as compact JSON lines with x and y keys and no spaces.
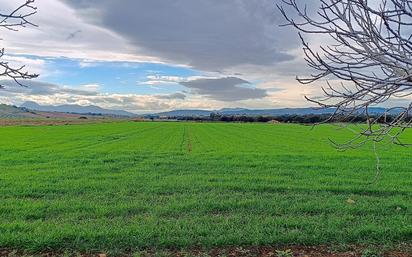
{"x":371,"y":55}
{"x":14,"y":20}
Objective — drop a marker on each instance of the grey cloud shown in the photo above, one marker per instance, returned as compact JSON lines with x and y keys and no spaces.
{"x":225,"y":89}
{"x":32,"y":87}
{"x":208,"y":35}
{"x":175,"y":96}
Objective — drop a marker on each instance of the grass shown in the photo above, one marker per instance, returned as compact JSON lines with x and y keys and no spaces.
{"x":119,"y":187}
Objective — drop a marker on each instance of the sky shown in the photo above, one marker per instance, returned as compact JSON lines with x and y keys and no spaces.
{"x":153,"y":55}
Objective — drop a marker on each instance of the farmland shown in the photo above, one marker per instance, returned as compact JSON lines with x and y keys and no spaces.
{"x":128,"y":185}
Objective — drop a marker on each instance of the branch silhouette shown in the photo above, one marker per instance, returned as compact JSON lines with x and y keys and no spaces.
{"x":16,"y":19}
{"x":370,"y":54}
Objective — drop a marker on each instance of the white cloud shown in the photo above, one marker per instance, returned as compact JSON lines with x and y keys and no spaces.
{"x":52,"y":94}
{"x":164,"y":79}
{"x":87,"y":63}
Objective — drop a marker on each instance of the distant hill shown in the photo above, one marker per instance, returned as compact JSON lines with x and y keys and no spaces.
{"x":184,"y":113}
{"x":10,"y":111}
{"x":73,"y":108}
{"x":256,"y":112}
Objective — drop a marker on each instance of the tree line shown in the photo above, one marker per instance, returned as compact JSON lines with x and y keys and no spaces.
{"x":301,"y":119}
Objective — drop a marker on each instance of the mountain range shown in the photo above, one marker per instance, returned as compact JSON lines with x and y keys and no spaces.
{"x":74,"y":108}
{"x":28,"y":110}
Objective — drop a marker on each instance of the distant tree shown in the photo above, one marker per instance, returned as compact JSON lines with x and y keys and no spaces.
{"x":214,"y":116}
{"x":16,"y":19}
{"x":370,"y":54}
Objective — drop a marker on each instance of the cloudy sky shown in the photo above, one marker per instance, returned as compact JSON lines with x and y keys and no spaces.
{"x":154,"y":55}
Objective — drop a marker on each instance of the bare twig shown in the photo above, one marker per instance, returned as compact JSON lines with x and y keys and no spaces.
{"x":14,"y":20}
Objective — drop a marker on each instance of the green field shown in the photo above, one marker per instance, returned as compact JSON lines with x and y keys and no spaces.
{"x":127,"y":186}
